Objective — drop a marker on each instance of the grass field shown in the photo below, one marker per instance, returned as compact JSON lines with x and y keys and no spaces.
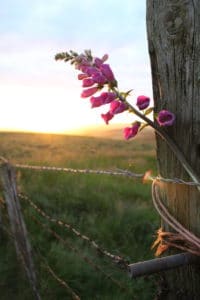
{"x":114,"y":211}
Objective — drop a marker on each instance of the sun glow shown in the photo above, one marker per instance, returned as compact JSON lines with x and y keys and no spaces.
{"x":36,"y":109}
{"x":50,"y":109}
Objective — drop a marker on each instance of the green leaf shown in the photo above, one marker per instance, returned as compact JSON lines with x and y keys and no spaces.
{"x":148,"y":111}
{"x":128,"y":92}
{"x":143,"y":126}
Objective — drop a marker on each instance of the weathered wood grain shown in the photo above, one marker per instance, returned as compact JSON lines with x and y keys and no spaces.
{"x":18,"y":227}
{"x":173,"y":29}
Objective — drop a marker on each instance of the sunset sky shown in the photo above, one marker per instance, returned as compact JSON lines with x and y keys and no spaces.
{"x":40,"y":94}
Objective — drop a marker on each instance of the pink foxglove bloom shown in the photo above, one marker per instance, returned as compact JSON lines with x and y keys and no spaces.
{"x":142,"y":102}
{"x":107,"y":117}
{"x":108,"y":97}
{"x":130,"y":132}
{"x":165,"y":118}
{"x":99,"y":78}
{"x":104,"y":98}
{"x":96,"y":101}
{"x":89,"y":92}
{"x":90,"y":70}
{"x":87,"y":82}
{"x":107,"y":72}
{"x":117,"y":107}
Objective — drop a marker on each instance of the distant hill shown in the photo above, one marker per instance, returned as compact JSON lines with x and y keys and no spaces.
{"x":113,"y":131}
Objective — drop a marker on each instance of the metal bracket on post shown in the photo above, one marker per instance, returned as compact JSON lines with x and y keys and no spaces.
{"x":162,"y":264}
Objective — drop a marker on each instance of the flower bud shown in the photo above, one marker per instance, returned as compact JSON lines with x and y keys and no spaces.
{"x":142,"y":102}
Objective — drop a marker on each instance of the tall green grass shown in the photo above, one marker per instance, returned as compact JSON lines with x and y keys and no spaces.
{"x":114,"y":211}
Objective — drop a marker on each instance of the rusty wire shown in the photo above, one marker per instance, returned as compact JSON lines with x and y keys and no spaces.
{"x":118,"y":172}
{"x":183,"y":239}
{"x":79,"y":253}
{"x":118,"y":260}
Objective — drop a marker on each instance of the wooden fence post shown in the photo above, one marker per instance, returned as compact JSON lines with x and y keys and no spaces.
{"x":17,"y":224}
{"x":173,"y":29}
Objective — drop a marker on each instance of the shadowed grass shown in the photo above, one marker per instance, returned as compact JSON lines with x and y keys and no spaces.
{"x":114,"y":211}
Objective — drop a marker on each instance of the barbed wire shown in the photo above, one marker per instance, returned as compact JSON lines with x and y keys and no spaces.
{"x":46,"y":265}
{"x":118,"y":172}
{"x":118,"y":260}
{"x":55,"y":276}
{"x":63,"y":283}
{"x":79,"y":253}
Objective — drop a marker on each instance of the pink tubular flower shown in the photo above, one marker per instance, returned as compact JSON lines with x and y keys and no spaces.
{"x":142,"y":102}
{"x":99,"y":78}
{"x":96,"y":101}
{"x":107,"y":117}
{"x":108,"y":97}
{"x":130,"y":132}
{"x":89,"y":92}
{"x":165,"y":118}
{"x":87,"y":82}
{"x":107,"y":72}
{"x":104,"y":98}
{"x":90,"y":70}
{"x":117,"y":107}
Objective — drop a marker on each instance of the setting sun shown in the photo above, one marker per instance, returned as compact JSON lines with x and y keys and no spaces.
{"x":50,"y":109}
{"x":42,"y":110}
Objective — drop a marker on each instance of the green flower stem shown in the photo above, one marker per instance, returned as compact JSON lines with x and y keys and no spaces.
{"x":170,"y":142}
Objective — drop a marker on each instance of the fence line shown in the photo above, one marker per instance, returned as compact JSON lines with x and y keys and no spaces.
{"x":78,"y":252}
{"x":119,"y":172}
{"x":133,"y":268}
{"x":56,"y":277}
{"x":63,"y":283}
{"x":48,"y":268}
{"x":118,"y":260}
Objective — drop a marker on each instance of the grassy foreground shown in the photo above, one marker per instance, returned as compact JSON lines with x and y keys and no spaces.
{"x":114,"y":211}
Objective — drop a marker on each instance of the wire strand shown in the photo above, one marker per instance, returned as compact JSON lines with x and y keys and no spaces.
{"x":118,"y":172}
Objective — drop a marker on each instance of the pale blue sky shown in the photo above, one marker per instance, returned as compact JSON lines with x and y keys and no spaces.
{"x":38,"y":93}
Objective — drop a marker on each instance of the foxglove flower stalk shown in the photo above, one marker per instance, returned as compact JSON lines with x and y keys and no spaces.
{"x":165,"y":118}
{"x":142,"y":102}
{"x":97,"y":70}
